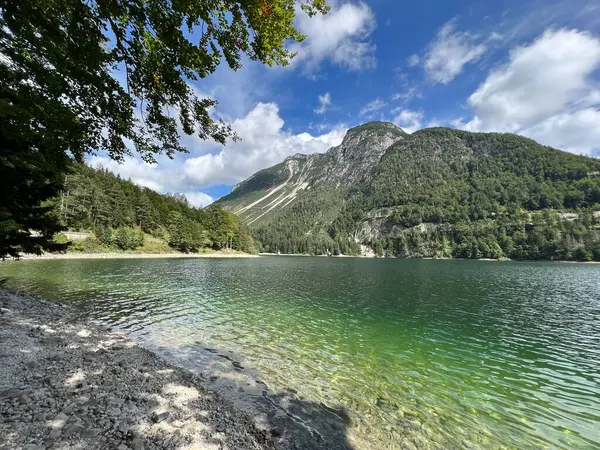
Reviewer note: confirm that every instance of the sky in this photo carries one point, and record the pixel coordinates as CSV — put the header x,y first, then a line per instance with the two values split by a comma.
x,y
530,67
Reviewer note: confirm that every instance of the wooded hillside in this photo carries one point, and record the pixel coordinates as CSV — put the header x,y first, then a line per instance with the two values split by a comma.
x,y
444,193
119,212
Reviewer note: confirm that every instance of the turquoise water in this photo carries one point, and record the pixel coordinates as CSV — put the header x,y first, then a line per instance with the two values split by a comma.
x,y
450,354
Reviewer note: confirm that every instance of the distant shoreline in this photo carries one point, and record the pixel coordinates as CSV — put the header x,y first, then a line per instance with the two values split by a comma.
x,y
429,258
217,255
115,255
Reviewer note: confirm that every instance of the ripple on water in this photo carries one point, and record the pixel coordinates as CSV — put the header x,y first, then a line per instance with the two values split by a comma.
x,y
432,353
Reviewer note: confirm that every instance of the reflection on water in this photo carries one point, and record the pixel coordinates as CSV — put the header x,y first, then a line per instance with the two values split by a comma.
x,y
435,353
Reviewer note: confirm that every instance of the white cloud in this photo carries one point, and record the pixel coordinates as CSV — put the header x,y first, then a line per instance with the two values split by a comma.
x,y
577,132
147,175
409,121
449,53
198,198
414,60
546,91
540,80
341,36
324,103
158,177
264,143
372,107
407,95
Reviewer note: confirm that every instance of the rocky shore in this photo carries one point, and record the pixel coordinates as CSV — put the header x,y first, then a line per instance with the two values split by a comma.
x,y
68,384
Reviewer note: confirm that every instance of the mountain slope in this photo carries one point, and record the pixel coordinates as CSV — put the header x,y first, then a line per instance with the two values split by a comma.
x,y
267,193
118,210
437,193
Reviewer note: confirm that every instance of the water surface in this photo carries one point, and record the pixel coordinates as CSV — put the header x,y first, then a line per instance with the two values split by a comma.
x,y
436,353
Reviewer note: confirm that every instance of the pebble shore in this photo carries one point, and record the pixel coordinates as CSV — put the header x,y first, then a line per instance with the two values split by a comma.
x,y
66,383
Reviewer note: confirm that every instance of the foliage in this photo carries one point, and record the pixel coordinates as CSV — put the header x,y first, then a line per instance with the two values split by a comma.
x,y
26,178
59,97
541,235
104,235
63,53
185,235
482,196
120,212
128,238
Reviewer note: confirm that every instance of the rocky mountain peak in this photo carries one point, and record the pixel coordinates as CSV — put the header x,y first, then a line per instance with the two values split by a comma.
x,y
366,143
375,125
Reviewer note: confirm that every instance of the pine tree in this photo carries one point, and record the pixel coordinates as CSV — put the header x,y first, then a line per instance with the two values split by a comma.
x,y
59,99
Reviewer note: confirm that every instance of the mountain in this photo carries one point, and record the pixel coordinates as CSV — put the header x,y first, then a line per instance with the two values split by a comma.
x,y
435,193
268,192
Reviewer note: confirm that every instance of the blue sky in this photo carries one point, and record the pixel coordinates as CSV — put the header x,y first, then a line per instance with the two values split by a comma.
x,y
529,67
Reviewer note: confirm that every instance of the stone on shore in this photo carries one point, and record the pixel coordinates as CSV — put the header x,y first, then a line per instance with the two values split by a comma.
x,y
67,384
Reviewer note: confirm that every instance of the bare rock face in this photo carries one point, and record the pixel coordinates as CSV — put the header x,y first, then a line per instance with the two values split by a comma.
x,y
264,195
360,151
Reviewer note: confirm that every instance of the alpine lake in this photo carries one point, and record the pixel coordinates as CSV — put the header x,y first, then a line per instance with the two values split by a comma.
x,y
418,353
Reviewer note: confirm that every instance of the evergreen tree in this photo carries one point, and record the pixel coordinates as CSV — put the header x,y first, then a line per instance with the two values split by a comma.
x,y
59,99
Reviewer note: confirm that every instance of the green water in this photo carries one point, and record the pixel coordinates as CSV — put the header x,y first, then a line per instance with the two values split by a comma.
x,y
438,354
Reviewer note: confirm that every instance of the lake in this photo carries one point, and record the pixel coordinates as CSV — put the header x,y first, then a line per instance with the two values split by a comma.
x,y
438,354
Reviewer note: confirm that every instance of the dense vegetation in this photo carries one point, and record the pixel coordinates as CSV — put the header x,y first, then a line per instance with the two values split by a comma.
x,y
450,193
60,98
123,216
287,233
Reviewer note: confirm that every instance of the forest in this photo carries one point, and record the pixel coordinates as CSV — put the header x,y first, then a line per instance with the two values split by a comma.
x,y
124,216
450,193
88,77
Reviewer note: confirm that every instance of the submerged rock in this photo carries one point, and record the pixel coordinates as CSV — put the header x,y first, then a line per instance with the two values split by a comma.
x,y
66,388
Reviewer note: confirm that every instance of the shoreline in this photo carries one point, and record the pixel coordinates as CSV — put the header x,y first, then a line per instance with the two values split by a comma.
x,y
115,255
430,258
67,382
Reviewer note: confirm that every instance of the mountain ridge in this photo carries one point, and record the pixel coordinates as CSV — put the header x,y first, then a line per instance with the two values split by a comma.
x,y
359,151
397,194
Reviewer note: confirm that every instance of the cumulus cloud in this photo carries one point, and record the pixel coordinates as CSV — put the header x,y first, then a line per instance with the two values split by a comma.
x,y
371,107
341,36
409,121
577,132
160,177
324,103
264,143
198,198
144,174
546,91
449,53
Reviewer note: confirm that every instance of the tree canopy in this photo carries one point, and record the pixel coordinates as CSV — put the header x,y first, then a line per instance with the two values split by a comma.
x,y
119,212
109,75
